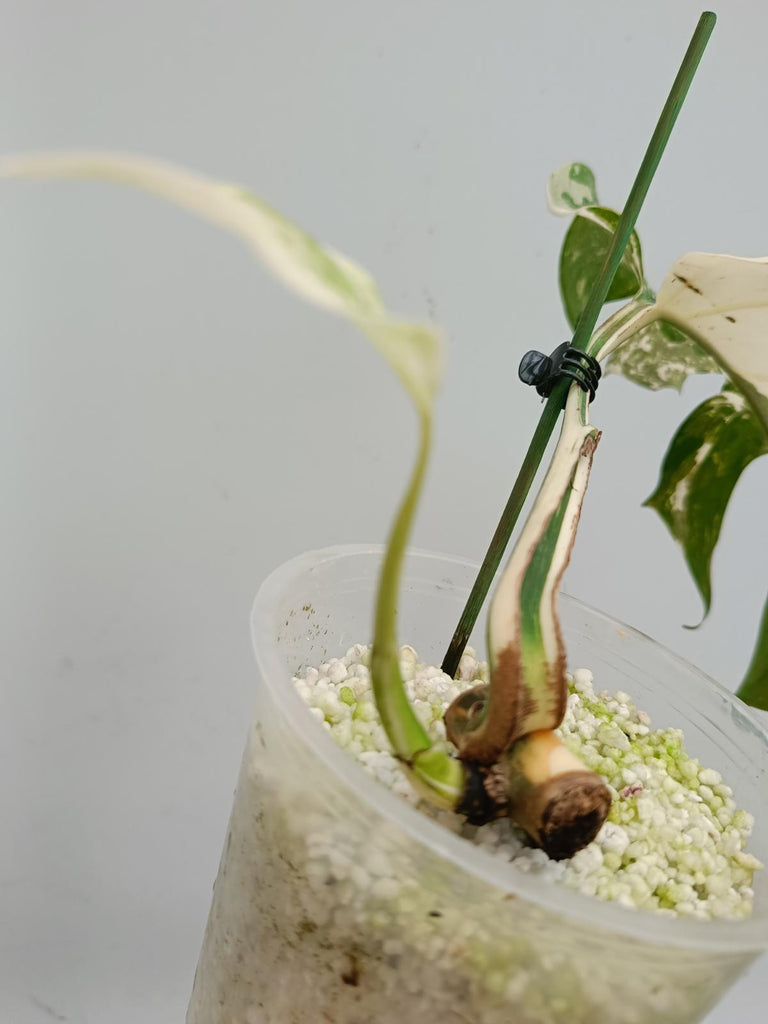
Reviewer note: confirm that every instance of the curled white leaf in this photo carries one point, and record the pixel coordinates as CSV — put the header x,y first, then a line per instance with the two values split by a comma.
x,y
327,279
317,273
722,301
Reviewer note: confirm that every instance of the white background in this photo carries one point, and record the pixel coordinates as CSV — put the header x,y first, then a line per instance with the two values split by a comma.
x,y
174,424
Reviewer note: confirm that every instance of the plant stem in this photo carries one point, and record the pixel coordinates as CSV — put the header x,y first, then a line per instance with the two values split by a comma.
x,y
404,729
549,417
581,336
439,777
754,686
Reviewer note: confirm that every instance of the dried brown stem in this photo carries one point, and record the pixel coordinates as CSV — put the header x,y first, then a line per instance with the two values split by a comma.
x,y
553,796
539,783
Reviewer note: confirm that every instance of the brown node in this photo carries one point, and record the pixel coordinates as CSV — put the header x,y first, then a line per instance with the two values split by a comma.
x,y
463,714
563,814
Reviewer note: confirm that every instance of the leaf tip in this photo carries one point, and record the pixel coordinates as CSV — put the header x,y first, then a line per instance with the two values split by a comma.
x,y
706,597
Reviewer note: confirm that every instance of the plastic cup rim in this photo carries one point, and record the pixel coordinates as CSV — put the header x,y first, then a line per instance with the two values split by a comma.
x,y
750,935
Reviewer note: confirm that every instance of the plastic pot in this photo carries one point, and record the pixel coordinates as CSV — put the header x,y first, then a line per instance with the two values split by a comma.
x,y
336,901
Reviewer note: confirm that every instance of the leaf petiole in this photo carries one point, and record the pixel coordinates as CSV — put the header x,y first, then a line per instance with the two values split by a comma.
x,y
584,328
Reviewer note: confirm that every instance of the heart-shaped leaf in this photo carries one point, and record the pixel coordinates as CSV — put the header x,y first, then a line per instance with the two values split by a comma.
x,y
584,250
571,187
703,463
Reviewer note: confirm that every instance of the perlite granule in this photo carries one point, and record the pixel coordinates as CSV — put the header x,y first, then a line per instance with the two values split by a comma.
x,y
674,841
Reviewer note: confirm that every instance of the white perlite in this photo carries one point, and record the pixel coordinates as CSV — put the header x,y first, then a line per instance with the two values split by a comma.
x,y
326,911
674,841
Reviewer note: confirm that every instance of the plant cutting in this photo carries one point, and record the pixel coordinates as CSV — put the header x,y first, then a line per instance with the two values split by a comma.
x,y
431,887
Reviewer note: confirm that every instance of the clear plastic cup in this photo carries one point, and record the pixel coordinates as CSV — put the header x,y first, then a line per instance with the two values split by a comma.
x,y
337,901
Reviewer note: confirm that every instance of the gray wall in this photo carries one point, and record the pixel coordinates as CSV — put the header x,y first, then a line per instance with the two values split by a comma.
x,y
176,425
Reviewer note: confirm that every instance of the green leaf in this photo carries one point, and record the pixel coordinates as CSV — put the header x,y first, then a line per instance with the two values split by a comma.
x,y
327,279
754,686
722,302
584,250
571,187
702,465
660,356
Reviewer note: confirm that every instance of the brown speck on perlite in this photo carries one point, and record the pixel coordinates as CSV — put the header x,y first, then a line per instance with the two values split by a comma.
x,y
352,975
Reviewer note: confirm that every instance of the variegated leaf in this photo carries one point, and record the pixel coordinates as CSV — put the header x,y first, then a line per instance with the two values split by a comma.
x,y
317,273
722,302
584,250
660,356
324,277
703,463
571,187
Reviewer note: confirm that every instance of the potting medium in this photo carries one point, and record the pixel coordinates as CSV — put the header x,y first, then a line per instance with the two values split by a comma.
x,y
674,843
341,899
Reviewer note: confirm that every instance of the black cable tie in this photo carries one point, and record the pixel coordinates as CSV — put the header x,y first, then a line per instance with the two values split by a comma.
x,y
543,372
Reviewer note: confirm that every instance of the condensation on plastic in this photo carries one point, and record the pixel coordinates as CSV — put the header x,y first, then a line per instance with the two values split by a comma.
x,y
338,902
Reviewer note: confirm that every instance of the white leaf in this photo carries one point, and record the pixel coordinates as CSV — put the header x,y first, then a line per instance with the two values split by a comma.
x,y
722,301
317,273
332,281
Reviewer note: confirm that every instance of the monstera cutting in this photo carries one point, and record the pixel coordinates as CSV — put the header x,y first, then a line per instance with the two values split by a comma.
x,y
711,314
497,767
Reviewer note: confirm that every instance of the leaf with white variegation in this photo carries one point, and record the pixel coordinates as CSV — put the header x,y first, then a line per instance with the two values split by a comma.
x,y
315,272
703,463
722,302
569,188
332,281
582,256
660,356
